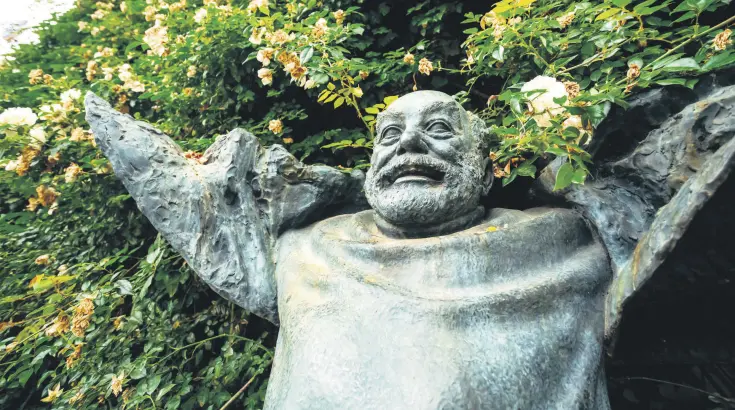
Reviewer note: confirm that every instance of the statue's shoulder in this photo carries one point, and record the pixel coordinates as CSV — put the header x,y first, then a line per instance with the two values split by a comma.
x,y
349,226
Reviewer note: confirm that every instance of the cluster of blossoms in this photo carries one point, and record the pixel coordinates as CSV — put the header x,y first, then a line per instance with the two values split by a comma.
x,y
46,197
37,77
156,37
82,314
497,23
117,383
129,82
425,65
566,19
722,40
542,91
275,126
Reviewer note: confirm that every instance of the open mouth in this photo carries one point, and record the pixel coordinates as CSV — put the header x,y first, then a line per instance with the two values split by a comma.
x,y
417,173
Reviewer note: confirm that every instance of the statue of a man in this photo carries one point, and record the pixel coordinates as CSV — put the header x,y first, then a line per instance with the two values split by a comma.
x,y
426,301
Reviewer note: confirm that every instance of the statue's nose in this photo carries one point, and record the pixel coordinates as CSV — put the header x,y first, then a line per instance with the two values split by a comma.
x,y
411,141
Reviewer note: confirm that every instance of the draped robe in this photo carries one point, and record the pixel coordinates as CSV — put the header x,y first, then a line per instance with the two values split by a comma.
x,y
508,314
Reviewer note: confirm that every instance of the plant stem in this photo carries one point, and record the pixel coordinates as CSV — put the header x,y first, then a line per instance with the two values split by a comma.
x,y
239,392
692,38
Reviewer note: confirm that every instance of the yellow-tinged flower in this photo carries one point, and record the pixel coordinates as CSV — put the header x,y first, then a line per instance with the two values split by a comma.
x,y
117,383
722,40
85,307
409,59
265,55
82,25
71,172
491,19
32,202
43,260
275,126
566,19
364,74
79,396
572,89
59,326
53,394
191,71
288,140
425,66
91,69
339,16
256,4
156,37
633,72
256,37
266,76
357,92
35,76
123,7
9,348
79,325
309,84
320,28
46,195
98,14
279,37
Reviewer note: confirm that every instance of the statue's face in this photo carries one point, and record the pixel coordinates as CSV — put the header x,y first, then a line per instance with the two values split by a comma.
x,y
427,167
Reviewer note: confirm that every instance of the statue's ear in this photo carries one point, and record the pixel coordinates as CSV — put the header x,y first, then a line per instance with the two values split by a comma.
x,y
488,177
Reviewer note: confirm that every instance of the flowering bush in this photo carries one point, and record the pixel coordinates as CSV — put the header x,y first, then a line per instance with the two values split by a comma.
x,y
97,312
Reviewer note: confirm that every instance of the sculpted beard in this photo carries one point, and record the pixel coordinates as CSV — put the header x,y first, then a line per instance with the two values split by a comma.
x,y
423,204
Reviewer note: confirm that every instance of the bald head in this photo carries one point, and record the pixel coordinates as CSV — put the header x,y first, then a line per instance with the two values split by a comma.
x,y
428,162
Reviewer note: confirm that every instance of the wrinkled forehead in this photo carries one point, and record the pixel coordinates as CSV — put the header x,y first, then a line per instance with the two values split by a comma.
x,y
419,106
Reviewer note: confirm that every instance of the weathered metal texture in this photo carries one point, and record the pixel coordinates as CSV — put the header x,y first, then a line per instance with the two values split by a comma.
x,y
428,301
223,212
641,204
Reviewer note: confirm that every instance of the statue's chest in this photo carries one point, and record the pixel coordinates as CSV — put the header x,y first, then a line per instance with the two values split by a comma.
x,y
425,321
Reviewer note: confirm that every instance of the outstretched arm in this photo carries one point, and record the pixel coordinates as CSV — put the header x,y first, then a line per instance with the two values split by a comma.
x,y
223,212
642,202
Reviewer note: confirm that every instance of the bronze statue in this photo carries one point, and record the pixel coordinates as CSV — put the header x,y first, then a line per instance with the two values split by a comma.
x,y
428,300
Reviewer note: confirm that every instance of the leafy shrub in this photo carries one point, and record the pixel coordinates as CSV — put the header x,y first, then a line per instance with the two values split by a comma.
x,y
97,312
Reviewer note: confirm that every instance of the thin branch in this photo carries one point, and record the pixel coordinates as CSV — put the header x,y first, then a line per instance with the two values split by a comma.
x,y
726,399
239,392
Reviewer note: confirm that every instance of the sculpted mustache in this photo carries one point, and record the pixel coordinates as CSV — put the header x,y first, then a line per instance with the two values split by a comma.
x,y
396,164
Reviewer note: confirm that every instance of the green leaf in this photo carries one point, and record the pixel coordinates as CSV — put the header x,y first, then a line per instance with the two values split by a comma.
x,y
671,81
306,55
682,64
564,176
498,53
621,3
579,176
339,102
719,61
608,13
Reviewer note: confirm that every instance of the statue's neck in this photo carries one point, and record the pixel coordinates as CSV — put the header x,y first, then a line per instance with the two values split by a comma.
x,y
459,223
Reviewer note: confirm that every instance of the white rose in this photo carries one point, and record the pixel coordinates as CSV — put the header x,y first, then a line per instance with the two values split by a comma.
x,y
545,89
38,135
200,15
70,95
18,116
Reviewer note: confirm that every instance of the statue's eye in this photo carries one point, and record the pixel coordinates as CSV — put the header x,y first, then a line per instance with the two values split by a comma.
x,y
439,127
389,135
